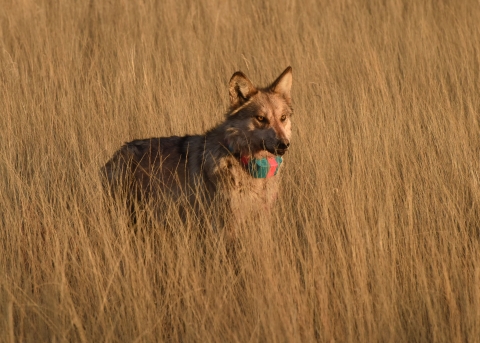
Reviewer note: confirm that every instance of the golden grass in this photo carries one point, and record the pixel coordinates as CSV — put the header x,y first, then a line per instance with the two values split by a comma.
x,y
376,235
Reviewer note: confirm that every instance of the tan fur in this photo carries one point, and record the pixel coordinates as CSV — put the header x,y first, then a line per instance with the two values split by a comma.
x,y
202,167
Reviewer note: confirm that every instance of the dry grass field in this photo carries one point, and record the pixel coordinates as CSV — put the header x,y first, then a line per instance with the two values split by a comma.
x,y
376,236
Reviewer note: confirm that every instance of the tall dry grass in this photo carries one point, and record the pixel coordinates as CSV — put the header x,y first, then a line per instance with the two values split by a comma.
x,y
376,234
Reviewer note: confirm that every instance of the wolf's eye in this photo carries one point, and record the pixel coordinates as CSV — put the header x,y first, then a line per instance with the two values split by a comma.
x,y
283,118
260,118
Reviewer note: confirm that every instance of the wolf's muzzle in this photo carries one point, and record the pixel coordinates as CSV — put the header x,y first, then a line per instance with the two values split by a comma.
x,y
282,148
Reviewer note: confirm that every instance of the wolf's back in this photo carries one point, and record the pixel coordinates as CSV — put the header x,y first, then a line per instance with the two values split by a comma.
x,y
144,164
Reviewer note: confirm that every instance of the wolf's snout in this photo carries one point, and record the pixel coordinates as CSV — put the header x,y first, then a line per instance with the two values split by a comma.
x,y
282,147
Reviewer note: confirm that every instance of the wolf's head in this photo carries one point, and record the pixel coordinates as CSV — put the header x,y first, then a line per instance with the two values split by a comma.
x,y
258,123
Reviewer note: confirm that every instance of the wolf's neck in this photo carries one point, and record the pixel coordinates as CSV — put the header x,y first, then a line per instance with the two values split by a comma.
x,y
218,136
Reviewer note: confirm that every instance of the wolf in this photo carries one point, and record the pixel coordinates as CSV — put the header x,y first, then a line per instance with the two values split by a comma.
x,y
229,172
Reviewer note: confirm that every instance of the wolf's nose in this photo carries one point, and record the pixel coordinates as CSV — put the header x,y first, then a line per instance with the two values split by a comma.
x,y
283,146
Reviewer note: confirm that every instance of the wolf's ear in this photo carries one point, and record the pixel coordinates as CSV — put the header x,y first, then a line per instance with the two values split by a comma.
x,y
283,84
241,89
